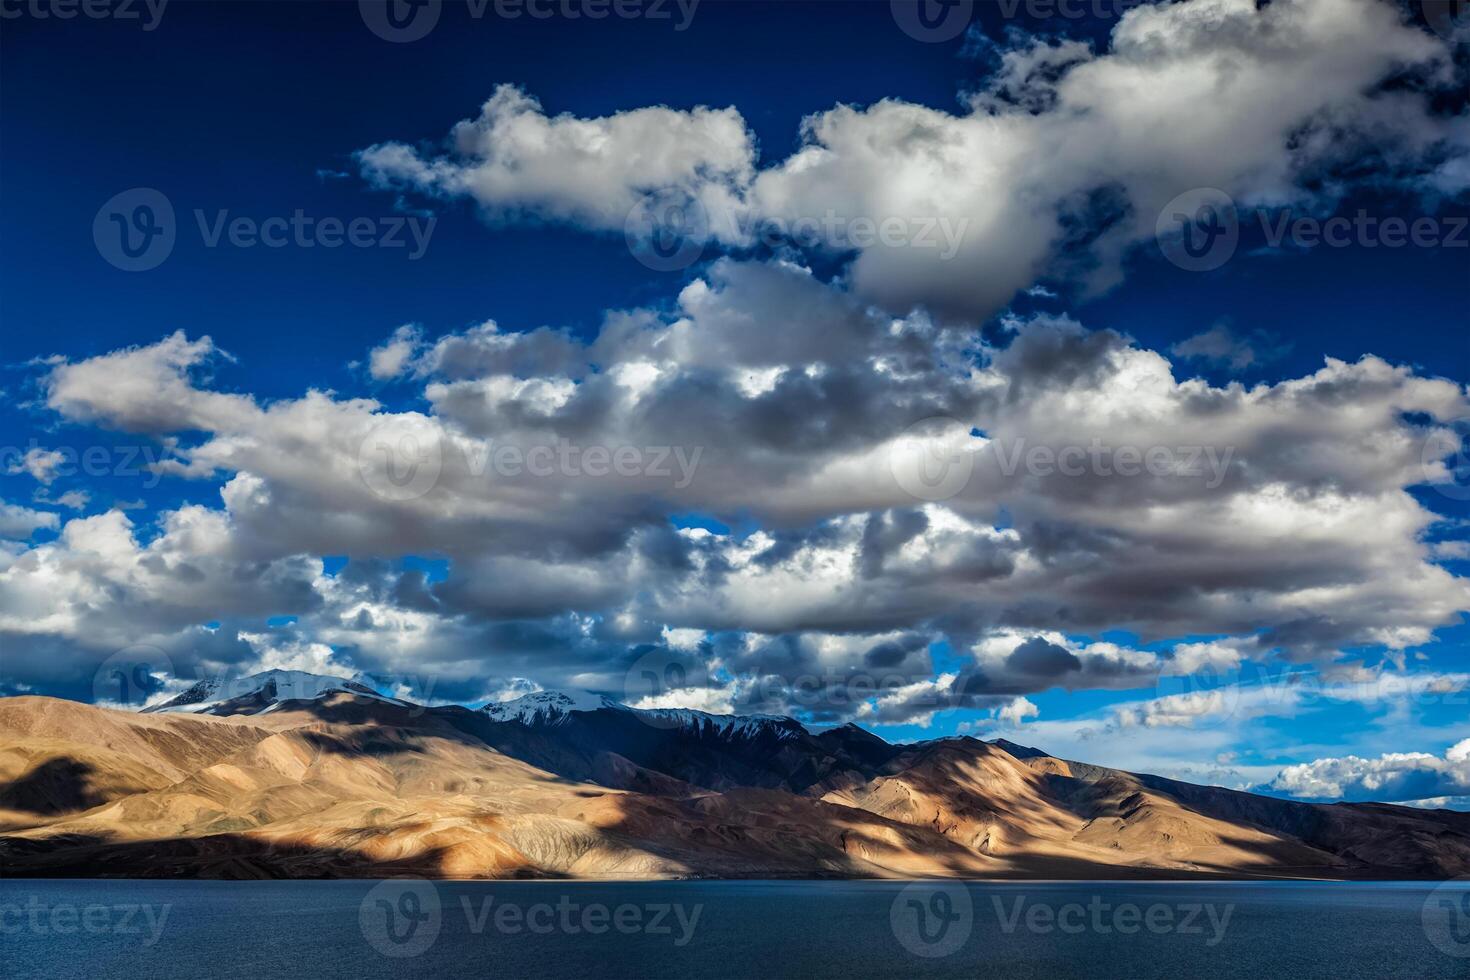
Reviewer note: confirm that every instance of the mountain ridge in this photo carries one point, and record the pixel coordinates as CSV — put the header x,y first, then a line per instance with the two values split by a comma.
x,y
344,784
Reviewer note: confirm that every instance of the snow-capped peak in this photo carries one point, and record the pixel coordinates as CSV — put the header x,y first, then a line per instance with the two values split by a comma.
x,y
268,687
547,707
725,726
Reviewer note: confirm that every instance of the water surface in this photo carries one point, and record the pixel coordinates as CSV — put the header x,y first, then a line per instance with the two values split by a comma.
x,y
767,929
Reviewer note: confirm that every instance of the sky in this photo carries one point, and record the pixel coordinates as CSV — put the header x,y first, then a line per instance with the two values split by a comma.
x,y
1091,375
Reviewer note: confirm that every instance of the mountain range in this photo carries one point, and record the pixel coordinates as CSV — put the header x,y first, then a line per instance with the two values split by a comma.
x,y
290,774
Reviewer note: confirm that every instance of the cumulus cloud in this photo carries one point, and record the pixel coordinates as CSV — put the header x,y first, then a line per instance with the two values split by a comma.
x,y
142,389
515,160
1304,540
19,523
1393,777
1017,711
1060,165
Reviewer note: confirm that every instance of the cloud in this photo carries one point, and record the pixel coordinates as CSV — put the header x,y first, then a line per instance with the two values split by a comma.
x,y
1085,483
1060,165
1220,345
40,463
1279,520
1017,711
143,389
19,523
1390,778
72,499
393,357
516,161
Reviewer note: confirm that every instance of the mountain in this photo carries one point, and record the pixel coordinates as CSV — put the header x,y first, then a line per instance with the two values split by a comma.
x,y
341,782
260,692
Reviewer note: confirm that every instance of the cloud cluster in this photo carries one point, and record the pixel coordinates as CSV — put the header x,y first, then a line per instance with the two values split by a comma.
x,y
890,475
1394,777
1061,163
801,404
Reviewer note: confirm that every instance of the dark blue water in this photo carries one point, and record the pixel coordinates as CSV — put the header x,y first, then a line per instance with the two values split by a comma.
x,y
277,929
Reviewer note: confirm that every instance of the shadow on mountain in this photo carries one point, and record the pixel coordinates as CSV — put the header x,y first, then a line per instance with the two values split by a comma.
x,y
230,856
60,785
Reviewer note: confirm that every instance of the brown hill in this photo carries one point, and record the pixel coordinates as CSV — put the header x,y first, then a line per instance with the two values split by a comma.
x,y
345,786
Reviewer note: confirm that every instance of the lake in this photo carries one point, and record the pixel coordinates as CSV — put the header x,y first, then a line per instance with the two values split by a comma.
x,y
265,930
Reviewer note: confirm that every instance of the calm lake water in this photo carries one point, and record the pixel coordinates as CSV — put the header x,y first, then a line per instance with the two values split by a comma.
x,y
765,929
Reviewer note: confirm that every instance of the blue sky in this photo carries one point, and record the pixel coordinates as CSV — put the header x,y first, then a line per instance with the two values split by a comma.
x,y
242,552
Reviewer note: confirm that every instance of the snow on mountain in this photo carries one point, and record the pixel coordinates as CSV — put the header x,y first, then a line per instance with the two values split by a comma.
x,y
268,688
555,707
725,726
548,707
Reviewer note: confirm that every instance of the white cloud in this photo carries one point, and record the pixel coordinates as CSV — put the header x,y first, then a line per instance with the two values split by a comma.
x,y
1018,711
1258,100
514,159
1392,777
19,523
393,358
40,463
